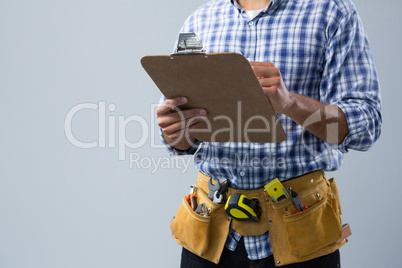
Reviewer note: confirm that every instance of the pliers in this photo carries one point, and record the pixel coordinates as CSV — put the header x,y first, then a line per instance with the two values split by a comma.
x,y
294,196
192,201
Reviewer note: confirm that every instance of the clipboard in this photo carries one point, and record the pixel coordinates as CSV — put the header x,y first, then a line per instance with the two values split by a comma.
x,y
225,85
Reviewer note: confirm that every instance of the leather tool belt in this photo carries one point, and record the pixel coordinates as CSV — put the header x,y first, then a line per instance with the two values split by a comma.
x,y
309,234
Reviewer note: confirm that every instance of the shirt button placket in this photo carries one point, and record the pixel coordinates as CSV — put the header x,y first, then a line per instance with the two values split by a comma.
x,y
253,39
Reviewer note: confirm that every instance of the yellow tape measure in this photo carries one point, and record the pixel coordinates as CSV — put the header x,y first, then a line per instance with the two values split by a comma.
x,y
242,208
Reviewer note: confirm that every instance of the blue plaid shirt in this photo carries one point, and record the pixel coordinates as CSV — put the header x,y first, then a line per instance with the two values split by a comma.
x,y
322,51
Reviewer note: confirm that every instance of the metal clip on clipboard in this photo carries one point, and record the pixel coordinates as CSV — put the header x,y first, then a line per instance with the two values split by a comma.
x,y
189,43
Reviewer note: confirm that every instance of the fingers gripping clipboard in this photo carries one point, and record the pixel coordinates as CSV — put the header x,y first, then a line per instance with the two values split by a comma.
x,y
225,85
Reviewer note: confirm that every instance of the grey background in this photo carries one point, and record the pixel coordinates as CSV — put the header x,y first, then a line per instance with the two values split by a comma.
x,y
62,206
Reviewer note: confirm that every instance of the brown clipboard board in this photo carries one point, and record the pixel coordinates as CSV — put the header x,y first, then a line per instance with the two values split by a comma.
x,y
225,85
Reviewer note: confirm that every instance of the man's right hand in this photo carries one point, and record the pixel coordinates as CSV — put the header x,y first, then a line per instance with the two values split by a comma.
x,y
176,123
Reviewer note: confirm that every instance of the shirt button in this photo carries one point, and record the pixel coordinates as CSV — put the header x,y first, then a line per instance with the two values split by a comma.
x,y
242,173
251,23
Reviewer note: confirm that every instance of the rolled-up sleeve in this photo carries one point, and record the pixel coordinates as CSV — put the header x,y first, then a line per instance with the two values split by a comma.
x,y
350,81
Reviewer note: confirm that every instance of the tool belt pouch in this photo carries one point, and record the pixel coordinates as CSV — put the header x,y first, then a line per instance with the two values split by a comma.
x,y
205,236
298,237
191,229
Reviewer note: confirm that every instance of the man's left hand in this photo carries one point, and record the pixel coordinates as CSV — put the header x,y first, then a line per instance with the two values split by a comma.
x,y
300,108
271,81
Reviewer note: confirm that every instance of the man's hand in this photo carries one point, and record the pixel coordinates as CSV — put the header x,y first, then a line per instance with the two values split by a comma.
x,y
176,123
271,81
327,122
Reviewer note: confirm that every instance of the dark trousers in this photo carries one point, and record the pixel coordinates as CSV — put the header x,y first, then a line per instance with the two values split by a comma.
x,y
238,259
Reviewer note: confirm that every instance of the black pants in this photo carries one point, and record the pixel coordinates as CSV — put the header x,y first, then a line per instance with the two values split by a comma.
x,y
238,259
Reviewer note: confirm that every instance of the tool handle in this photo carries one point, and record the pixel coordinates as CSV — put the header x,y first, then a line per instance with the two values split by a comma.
x,y
193,202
